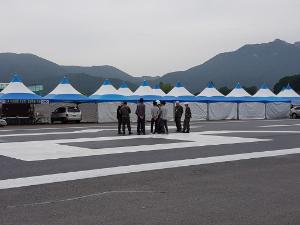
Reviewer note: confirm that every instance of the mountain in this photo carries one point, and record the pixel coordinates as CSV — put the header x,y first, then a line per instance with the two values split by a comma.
x,y
36,70
105,71
251,65
31,67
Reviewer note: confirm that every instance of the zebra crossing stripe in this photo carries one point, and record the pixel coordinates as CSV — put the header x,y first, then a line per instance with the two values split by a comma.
x,y
78,175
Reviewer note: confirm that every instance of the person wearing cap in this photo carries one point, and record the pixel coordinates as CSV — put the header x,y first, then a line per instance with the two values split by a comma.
x,y
178,114
187,118
154,117
140,112
125,112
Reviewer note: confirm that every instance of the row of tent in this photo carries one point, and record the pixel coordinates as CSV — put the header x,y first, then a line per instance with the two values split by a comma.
x,y
65,92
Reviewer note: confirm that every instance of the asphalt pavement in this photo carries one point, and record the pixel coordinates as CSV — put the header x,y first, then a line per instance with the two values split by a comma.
x,y
223,172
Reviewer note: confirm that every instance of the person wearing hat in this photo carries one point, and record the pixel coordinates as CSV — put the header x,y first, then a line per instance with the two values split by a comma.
x,y
140,112
187,118
178,114
125,112
154,117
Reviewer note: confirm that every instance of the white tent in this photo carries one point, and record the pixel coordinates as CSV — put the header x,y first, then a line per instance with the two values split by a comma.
x,y
16,90
107,111
247,110
238,91
264,91
288,92
210,91
157,91
64,91
66,95
124,90
199,110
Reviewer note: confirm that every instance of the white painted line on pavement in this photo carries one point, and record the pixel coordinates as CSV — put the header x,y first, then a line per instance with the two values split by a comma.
x,y
53,149
280,125
71,176
51,133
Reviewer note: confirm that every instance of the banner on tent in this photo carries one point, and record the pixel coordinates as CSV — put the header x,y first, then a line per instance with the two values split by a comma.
x,y
20,101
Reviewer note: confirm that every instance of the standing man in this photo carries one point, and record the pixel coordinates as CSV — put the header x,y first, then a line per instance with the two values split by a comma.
x,y
119,117
154,117
164,113
187,118
125,112
140,112
178,115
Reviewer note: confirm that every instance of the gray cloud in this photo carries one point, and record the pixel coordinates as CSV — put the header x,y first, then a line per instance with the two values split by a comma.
x,y
142,37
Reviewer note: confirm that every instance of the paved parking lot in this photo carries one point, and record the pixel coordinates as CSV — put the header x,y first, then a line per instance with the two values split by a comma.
x,y
225,172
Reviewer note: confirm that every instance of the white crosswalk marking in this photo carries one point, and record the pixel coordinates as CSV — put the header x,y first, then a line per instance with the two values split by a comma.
x,y
60,177
53,149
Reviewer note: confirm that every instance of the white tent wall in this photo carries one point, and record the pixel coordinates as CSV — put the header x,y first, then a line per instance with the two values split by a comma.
x,y
222,111
251,110
107,112
277,110
88,110
199,111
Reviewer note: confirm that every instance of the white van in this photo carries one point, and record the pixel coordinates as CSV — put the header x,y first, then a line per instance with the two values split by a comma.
x,y
65,114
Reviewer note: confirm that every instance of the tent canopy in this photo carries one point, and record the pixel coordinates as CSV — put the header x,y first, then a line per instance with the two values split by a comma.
x,y
124,90
264,91
157,91
210,91
17,91
287,92
107,93
238,91
65,92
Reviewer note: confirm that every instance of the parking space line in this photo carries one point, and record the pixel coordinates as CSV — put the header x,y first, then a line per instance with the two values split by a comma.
x,y
71,176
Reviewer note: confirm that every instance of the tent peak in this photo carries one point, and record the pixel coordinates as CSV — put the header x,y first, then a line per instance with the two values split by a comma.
x,y
145,83
210,85
16,79
123,85
106,82
264,86
65,80
238,85
178,84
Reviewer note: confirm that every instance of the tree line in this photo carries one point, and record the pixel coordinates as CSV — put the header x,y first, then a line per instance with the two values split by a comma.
x,y
293,81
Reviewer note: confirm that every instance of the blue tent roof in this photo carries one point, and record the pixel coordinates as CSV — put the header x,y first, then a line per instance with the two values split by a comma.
x,y
16,91
106,82
145,83
123,85
65,92
210,85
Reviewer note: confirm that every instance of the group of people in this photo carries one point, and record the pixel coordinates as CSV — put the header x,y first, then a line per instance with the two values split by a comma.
x,y
159,121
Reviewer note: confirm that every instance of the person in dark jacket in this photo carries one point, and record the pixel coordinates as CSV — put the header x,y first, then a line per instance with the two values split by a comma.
x,y
140,112
178,114
187,118
119,117
125,112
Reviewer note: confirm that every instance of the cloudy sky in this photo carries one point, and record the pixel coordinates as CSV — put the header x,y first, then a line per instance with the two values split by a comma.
x,y
142,37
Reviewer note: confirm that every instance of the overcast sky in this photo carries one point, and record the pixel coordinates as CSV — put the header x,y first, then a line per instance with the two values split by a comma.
x,y
142,37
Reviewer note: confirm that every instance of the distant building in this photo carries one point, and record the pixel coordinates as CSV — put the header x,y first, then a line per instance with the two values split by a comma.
x,y
3,85
38,89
